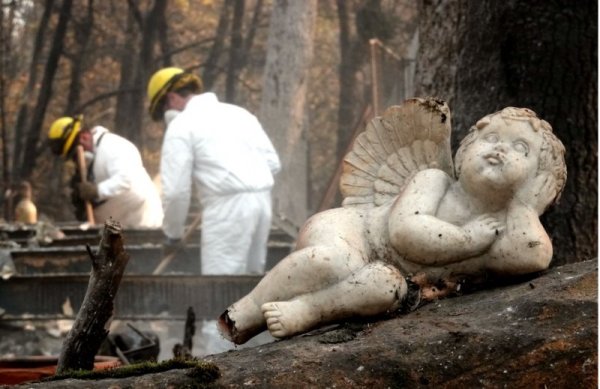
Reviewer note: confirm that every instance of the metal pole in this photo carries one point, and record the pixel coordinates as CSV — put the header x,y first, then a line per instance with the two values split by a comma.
x,y
375,76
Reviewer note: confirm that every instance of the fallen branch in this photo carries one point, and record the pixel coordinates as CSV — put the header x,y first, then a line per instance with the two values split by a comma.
x,y
88,331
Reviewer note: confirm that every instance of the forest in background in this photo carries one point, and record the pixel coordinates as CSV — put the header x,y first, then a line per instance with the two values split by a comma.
x,y
94,57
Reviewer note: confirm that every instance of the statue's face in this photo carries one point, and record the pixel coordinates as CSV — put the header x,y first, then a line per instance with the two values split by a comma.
x,y
504,155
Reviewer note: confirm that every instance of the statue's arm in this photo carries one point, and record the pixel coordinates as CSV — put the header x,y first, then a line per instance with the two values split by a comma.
x,y
417,234
524,247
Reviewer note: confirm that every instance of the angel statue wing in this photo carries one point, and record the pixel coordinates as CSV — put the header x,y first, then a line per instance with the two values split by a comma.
x,y
406,139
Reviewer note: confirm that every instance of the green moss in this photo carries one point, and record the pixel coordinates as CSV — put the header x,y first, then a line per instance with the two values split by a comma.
x,y
201,371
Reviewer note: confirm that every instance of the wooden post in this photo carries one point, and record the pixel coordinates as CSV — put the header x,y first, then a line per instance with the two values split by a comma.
x,y
83,173
375,76
184,351
88,332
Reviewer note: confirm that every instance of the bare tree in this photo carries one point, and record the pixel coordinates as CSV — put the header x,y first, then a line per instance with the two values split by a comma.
x,y
82,31
211,69
240,47
26,97
137,68
251,32
32,136
128,59
289,56
485,55
370,22
235,50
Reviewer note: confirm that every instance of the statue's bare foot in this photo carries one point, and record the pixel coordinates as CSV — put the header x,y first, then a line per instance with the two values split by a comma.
x,y
287,318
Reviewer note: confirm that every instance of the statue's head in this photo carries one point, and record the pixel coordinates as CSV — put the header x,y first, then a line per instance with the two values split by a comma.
x,y
551,150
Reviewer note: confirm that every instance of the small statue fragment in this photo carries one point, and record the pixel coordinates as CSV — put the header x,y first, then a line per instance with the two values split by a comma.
x,y
405,214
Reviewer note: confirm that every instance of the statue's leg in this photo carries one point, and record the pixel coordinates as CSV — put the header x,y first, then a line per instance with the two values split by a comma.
x,y
372,290
306,270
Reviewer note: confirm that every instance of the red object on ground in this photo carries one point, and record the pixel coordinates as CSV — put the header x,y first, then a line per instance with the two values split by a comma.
x,y
33,368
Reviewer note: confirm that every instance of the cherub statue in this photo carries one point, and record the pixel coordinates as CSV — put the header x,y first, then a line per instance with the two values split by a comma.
x,y
406,216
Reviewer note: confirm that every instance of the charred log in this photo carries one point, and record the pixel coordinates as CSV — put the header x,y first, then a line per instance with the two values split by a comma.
x,y
89,329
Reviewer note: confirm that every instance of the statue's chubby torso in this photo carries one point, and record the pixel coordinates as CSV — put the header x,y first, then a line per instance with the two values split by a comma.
x,y
376,232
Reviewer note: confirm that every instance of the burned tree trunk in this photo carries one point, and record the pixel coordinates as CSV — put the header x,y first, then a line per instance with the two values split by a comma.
x,y
27,93
283,105
88,331
540,332
482,56
32,136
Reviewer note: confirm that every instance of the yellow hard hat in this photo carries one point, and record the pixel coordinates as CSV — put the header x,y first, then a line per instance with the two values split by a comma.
x,y
62,134
166,80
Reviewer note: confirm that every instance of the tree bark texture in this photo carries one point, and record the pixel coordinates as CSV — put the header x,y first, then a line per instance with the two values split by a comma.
x,y
482,56
283,116
540,332
88,331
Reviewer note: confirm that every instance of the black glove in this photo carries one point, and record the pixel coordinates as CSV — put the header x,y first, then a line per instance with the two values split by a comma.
x,y
87,191
78,204
171,246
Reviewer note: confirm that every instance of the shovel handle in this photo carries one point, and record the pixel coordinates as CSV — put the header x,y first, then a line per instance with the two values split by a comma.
x,y
186,236
83,173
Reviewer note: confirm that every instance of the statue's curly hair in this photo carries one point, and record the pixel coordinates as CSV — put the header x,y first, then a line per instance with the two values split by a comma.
x,y
552,154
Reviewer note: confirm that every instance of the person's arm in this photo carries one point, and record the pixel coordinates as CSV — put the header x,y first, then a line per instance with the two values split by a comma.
x,y
266,149
524,247
176,165
122,161
420,237
117,183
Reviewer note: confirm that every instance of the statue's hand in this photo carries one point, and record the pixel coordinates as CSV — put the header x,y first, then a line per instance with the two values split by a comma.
x,y
539,192
482,231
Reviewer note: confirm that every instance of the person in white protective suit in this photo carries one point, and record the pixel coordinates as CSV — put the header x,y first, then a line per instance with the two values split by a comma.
x,y
224,150
117,185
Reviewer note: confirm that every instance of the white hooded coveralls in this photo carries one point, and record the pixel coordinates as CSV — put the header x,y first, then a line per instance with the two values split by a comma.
x,y
126,192
226,152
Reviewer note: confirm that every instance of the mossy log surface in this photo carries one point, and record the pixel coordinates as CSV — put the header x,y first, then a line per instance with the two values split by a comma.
x,y
538,332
